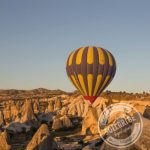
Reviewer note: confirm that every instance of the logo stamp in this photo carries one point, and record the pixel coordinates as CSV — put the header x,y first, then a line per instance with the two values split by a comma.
x,y
121,124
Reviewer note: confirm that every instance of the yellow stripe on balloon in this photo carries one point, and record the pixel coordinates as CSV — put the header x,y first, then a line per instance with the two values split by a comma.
x,y
110,58
101,56
105,82
90,57
72,78
80,77
71,58
79,56
90,81
98,82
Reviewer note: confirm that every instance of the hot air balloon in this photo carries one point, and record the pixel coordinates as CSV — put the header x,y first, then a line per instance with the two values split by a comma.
x,y
91,69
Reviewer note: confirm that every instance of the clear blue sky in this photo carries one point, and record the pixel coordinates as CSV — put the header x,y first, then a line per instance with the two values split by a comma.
x,y
36,37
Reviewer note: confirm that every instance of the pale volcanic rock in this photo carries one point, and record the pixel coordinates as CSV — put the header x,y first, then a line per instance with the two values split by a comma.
x,y
4,141
64,111
25,120
42,140
57,124
58,104
72,110
36,106
27,113
90,122
78,99
64,96
100,101
86,107
7,112
66,122
78,107
61,122
100,104
2,120
50,107
14,111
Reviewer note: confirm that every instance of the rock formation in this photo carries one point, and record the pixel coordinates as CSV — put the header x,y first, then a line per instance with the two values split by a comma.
x,y
2,120
36,106
50,107
57,124
64,111
14,110
61,122
7,113
90,122
66,122
42,140
4,141
27,113
77,107
58,104
26,119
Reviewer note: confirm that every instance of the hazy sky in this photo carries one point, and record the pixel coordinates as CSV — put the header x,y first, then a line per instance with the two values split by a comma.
x,y
37,36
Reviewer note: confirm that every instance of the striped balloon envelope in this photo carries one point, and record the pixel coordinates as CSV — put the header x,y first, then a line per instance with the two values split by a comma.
x,y
91,69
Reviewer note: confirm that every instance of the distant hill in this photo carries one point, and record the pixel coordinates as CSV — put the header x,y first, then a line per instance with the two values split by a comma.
x,y
13,94
23,94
